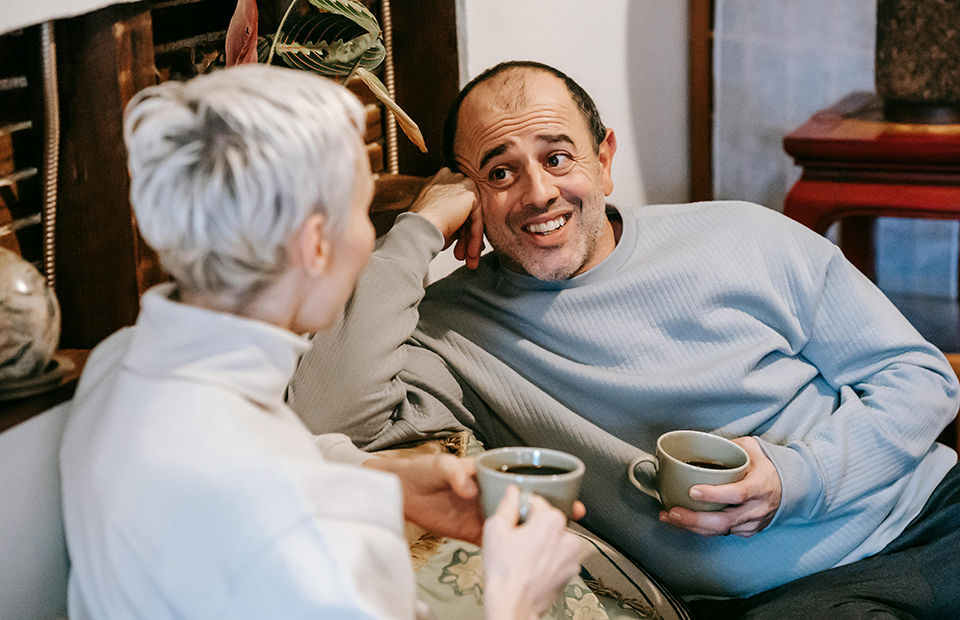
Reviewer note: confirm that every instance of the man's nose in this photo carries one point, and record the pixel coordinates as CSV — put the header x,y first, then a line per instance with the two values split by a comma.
x,y
540,187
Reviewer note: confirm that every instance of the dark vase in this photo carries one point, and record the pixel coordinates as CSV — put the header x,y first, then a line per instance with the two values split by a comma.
x,y
918,60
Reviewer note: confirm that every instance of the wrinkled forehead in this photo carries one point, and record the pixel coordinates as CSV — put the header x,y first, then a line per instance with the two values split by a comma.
x,y
510,105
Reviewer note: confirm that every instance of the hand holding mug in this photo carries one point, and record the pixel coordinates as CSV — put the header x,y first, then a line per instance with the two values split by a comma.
x,y
752,501
526,565
550,474
685,459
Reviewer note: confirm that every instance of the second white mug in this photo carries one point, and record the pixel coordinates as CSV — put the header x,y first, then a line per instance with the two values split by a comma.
x,y
686,458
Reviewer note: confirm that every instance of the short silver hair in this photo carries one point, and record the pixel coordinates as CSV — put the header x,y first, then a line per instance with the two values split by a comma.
x,y
225,167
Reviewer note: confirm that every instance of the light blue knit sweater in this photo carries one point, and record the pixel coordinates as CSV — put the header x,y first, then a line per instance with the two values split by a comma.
x,y
725,317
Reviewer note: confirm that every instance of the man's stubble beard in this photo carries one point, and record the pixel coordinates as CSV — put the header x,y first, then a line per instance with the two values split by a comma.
x,y
512,257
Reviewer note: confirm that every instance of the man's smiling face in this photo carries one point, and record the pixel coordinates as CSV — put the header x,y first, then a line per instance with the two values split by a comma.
x,y
542,183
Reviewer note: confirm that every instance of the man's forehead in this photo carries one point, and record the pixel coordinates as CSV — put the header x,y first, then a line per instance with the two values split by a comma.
x,y
509,102
513,90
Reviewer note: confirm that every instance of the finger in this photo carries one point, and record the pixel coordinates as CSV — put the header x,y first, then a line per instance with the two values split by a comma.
x,y
542,512
746,530
508,511
754,517
579,511
474,236
444,175
703,523
751,527
468,170
733,493
461,476
434,180
568,553
743,521
460,248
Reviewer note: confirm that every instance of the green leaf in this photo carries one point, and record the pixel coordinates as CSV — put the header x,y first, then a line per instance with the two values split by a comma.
x,y
263,47
406,123
351,9
328,44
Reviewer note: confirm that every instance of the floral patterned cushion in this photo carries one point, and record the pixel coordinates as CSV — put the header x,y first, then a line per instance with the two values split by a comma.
x,y
450,572
609,587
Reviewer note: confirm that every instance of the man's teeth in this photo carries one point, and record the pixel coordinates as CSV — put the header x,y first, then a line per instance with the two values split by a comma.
x,y
546,227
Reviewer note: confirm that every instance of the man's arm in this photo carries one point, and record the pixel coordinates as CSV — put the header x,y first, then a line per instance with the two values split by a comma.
x,y
897,393
363,377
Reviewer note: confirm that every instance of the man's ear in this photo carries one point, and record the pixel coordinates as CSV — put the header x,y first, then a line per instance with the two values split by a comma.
x,y
607,148
311,246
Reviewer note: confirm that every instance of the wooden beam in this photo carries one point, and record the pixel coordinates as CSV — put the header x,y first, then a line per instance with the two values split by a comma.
x,y
427,74
701,99
103,58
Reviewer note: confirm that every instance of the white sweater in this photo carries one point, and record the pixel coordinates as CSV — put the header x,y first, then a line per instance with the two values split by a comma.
x,y
724,317
190,490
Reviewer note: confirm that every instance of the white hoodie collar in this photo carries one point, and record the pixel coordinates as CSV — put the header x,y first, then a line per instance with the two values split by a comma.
x,y
244,356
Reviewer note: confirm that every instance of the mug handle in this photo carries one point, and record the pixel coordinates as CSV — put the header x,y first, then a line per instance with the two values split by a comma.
x,y
526,498
631,472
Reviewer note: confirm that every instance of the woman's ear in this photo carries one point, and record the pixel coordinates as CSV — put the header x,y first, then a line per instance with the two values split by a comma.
x,y
311,246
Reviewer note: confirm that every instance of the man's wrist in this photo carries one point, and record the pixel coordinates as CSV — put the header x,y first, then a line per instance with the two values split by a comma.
x,y
413,241
438,222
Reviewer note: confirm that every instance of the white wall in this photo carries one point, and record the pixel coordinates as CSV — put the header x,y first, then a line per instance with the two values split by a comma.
x,y
775,64
630,55
17,13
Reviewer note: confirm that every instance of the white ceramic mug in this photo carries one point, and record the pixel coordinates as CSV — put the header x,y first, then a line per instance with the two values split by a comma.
x,y
685,459
551,474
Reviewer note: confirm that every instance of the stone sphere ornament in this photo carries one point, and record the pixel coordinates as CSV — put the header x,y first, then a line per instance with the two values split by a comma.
x,y
918,60
29,320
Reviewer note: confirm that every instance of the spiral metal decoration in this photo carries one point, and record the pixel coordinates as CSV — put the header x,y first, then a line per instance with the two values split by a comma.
x,y
51,147
393,164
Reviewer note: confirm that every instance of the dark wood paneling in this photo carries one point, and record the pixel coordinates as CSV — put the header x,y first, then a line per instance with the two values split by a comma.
x,y
103,59
701,99
427,73
21,100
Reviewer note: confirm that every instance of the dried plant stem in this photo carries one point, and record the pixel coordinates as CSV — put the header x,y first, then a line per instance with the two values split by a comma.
x,y
276,37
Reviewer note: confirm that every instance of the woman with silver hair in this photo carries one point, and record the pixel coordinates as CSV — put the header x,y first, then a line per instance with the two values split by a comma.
x,y
190,489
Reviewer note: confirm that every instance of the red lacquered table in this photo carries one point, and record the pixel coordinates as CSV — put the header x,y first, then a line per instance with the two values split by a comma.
x,y
857,167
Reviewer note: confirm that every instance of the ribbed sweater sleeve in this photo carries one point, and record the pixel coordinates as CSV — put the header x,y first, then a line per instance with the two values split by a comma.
x,y
896,394
362,377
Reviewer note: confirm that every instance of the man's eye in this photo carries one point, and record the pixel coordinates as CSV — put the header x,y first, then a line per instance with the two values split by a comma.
x,y
555,160
498,175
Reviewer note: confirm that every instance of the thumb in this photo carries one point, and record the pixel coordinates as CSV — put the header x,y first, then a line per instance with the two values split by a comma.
x,y
460,475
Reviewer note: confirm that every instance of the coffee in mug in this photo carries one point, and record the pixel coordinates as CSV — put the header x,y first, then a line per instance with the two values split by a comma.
x,y
534,470
708,464
685,459
551,474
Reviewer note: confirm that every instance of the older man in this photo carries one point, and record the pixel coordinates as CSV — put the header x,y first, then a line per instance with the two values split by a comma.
x,y
594,329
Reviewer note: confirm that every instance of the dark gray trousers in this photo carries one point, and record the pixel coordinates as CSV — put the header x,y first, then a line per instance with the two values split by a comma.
x,y
917,576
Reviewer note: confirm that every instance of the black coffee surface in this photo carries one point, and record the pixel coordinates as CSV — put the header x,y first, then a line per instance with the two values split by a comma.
x,y
708,464
533,470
